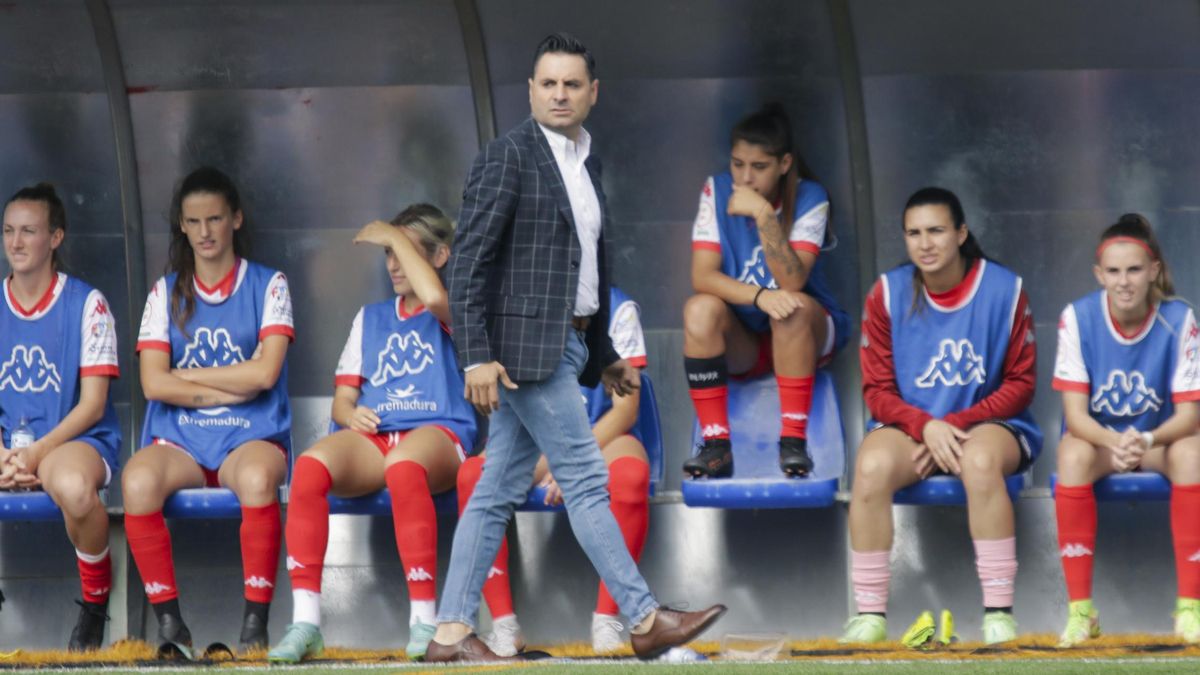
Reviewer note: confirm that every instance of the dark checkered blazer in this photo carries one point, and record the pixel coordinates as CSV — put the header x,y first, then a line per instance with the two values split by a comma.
x,y
514,267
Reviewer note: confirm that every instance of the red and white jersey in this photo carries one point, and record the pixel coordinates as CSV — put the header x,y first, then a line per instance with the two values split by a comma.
x,y
276,303
808,227
98,331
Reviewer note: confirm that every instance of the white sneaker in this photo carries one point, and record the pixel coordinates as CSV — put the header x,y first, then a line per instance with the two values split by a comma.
x,y
606,634
506,638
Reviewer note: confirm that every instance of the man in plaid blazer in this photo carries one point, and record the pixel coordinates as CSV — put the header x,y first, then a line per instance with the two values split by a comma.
x,y
529,311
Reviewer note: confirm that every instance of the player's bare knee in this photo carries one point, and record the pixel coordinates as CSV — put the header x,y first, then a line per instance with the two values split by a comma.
x,y
141,489
873,473
256,484
1075,461
1183,463
703,315
796,325
73,493
981,470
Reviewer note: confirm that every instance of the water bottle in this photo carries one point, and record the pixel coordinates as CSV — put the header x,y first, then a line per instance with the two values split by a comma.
x,y
22,436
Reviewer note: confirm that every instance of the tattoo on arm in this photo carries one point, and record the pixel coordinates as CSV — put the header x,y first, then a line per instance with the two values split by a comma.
x,y
777,250
202,401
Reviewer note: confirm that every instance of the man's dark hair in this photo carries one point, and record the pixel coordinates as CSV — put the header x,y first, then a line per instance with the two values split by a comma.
x,y
565,43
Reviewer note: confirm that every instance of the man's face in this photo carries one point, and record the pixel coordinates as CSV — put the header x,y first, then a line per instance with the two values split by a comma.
x,y
560,92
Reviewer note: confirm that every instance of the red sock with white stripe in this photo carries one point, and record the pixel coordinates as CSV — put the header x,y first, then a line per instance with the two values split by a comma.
x,y
260,532
1075,506
1185,530
629,500
95,575
795,402
415,523
496,590
150,544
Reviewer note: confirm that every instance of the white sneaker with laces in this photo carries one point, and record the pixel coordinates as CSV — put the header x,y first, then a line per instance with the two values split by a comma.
x,y
506,638
606,634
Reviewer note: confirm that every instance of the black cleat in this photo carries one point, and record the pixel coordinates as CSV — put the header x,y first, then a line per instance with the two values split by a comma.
x,y
794,458
254,633
89,627
175,637
715,460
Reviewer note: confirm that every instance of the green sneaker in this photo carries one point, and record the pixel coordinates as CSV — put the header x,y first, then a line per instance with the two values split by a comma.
x,y
419,637
301,641
919,633
1187,620
1083,623
999,627
864,628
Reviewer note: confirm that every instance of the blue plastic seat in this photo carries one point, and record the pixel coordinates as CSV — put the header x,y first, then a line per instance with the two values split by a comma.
x,y
380,504
26,506
1139,486
203,503
948,491
757,481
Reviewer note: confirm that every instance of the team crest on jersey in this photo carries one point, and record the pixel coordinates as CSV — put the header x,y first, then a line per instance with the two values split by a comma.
x,y
1126,394
210,348
28,370
755,270
405,354
956,364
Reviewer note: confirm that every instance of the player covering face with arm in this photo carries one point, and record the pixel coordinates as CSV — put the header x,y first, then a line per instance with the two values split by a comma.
x,y
948,362
213,342
761,302
404,424
1129,373
58,345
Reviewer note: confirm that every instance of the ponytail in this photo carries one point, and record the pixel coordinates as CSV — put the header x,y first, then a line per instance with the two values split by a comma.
x,y
970,250
770,129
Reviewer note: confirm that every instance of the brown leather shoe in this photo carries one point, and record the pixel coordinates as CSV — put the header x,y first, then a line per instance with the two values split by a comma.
x,y
672,628
467,650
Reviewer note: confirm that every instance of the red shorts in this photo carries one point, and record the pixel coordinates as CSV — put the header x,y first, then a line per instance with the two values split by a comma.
x,y
210,475
386,440
764,363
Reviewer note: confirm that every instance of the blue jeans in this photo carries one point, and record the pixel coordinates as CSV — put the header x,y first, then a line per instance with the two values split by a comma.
x,y
542,417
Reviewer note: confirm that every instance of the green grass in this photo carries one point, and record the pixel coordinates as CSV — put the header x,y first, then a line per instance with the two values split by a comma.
x,y
1007,666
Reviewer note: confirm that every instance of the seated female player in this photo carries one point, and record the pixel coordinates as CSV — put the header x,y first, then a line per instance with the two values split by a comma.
x,y
1129,372
405,424
213,343
761,302
58,344
948,363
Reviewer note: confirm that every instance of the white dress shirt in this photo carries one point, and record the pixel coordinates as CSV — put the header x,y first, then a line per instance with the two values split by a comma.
x,y
585,207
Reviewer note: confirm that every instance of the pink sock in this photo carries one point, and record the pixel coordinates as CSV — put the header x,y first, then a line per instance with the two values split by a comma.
x,y
996,561
870,573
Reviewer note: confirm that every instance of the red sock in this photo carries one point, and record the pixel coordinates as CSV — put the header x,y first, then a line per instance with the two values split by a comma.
x,y
308,524
1185,530
712,409
95,575
150,543
1076,509
415,522
795,401
629,492
260,550
496,589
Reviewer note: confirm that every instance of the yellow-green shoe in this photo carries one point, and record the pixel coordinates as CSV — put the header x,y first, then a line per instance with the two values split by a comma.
x,y
864,629
1187,620
999,627
945,634
920,633
1083,623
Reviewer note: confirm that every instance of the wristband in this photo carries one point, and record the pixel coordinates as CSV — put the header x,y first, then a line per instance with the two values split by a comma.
x,y
1148,438
760,292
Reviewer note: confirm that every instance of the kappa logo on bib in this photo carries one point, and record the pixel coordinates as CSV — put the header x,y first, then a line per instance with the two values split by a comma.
x,y
955,365
28,370
1126,395
210,348
755,271
405,354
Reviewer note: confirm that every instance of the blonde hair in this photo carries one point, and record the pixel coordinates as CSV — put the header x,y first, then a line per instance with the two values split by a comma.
x,y
433,227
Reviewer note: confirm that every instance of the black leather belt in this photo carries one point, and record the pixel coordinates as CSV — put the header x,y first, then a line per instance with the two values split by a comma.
x,y
580,323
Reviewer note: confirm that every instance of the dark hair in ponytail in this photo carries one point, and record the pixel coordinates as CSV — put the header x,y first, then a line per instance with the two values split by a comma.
x,y
770,129
1136,226
969,250
45,193
180,257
